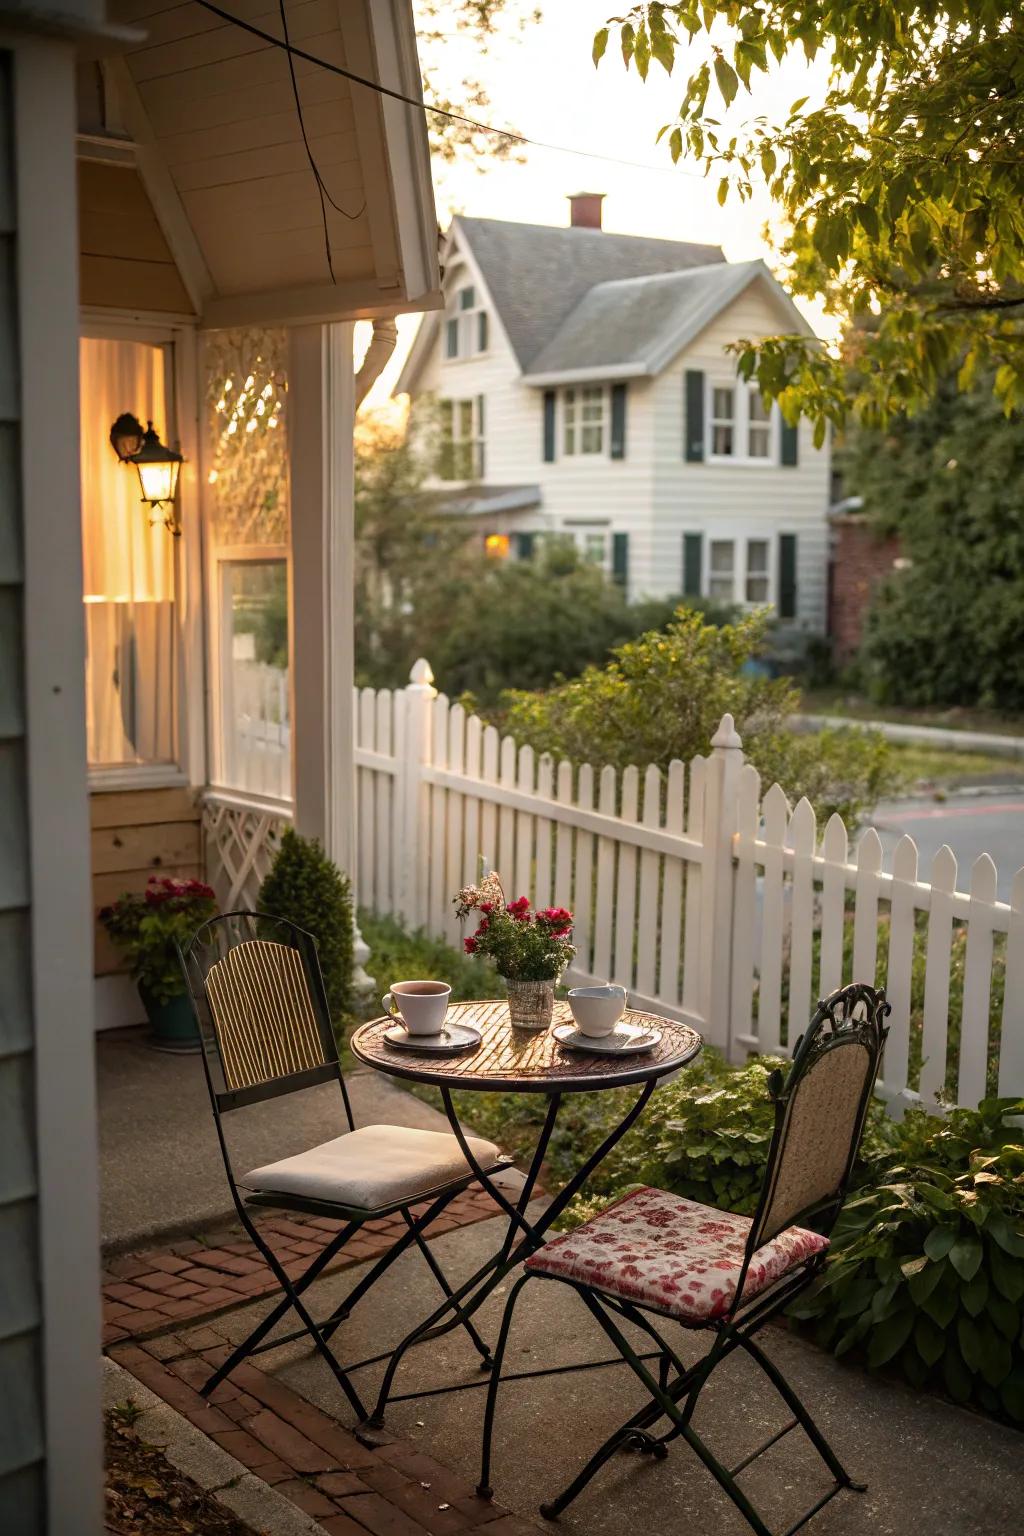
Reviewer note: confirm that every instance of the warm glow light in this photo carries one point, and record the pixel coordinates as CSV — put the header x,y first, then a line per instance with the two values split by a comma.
x,y
498,545
159,480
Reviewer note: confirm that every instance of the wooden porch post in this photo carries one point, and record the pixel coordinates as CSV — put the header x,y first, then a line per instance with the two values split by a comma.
x,y
321,410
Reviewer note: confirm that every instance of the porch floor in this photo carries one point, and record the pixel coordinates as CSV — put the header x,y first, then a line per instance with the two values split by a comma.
x,y
161,1172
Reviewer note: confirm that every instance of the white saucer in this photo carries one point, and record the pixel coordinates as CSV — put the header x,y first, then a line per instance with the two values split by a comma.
x,y
453,1037
624,1040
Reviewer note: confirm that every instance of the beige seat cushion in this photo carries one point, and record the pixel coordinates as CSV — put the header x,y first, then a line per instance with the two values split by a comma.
x,y
374,1166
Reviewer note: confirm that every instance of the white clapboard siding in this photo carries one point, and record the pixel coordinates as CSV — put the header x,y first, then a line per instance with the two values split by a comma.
x,y
649,863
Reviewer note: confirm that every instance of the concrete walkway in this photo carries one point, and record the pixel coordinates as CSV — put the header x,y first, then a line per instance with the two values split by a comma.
x,y
161,1172
930,1466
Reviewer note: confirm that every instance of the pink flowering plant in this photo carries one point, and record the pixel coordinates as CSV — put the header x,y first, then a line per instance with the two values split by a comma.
x,y
523,944
145,925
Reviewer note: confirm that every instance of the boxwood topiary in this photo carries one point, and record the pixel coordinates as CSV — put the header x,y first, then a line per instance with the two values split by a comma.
x,y
308,888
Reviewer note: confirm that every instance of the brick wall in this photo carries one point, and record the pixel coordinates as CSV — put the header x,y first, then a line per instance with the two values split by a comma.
x,y
858,562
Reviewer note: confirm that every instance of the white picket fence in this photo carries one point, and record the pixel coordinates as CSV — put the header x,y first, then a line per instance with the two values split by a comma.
x,y
709,903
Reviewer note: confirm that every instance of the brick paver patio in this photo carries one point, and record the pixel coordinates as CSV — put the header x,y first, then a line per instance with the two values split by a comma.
x,y
387,1488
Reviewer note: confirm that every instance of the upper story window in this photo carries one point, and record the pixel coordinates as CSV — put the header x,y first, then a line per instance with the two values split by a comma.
x,y
462,439
583,425
465,332
741,426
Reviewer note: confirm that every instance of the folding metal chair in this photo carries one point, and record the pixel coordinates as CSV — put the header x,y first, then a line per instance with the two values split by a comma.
x,y
656,1255
258,997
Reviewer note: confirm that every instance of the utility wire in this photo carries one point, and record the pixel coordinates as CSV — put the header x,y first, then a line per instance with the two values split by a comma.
x,y
425,106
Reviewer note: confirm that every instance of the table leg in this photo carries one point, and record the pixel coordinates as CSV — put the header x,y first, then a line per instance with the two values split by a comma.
x,y
474,1292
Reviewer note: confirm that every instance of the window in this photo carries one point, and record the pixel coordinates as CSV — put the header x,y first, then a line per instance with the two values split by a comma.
x,y
249,535
462,439
583,420
759,425
131,669
757,572
592,543
466,328
740,424
721,576
723,413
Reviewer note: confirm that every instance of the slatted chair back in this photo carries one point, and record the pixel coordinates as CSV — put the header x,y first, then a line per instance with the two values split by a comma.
x,y
820,1111
259,1001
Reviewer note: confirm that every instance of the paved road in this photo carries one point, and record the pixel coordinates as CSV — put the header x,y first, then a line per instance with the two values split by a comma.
x,y
970,824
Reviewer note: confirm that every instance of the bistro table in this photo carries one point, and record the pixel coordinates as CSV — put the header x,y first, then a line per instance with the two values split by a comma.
x,y
510,1060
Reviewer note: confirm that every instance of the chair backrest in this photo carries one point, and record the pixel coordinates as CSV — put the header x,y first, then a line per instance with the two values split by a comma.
x,y
820,1109
259,1001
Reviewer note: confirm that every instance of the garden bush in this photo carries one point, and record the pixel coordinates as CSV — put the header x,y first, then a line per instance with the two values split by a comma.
x,y
397,955
308,888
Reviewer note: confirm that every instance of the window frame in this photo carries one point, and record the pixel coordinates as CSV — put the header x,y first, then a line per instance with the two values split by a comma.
x,y
222,556
469,321
179,339
740,539
476,439
572,408
583,531
741,423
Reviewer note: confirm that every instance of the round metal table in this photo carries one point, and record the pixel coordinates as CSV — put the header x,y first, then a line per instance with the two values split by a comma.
x,y
509,1060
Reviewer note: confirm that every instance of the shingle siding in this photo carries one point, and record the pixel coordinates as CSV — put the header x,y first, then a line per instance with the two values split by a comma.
x,y
21,1431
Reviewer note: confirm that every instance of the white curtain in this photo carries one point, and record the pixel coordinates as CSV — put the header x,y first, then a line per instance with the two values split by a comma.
x,y
128,564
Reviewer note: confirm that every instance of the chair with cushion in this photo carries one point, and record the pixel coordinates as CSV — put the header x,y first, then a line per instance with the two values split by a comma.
x,y
655,1255
259,1002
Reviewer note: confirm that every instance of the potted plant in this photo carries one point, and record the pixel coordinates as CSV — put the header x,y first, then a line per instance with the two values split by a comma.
x,y
529,949
145,926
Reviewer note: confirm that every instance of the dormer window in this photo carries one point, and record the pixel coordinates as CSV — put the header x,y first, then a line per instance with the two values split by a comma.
x,y
465,332
741,426
583,420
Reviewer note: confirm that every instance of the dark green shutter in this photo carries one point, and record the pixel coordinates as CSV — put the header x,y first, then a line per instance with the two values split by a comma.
x,y
479,467
523,545
790,451
693,559
620,559
549,426
787,575
451,332
481,331
618,440
693,446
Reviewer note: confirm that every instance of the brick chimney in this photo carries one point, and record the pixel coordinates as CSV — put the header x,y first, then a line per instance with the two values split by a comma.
x,y
585,209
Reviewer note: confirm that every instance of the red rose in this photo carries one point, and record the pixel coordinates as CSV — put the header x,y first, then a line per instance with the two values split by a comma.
x,y
519,909
469,945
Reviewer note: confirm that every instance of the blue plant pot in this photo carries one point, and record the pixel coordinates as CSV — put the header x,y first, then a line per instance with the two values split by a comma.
x,y
173,1023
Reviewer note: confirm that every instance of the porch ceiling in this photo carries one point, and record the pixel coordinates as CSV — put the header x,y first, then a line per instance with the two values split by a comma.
x,y
219,143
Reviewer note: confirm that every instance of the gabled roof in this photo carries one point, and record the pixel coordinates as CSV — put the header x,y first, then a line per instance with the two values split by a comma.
x,y
537,274
632,328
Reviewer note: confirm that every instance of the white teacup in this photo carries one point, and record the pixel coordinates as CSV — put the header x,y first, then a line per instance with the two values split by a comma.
x,y
420,1005
597,1010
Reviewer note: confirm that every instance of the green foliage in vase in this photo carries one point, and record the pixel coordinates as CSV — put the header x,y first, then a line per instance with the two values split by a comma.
x,y
308,888
147,926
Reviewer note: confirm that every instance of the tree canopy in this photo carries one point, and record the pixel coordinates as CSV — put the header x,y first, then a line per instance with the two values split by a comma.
x,y
903,191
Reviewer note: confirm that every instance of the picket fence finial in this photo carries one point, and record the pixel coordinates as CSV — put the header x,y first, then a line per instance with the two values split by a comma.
x,y
422,673
727,735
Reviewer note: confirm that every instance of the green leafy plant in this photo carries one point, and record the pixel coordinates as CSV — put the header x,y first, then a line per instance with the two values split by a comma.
x,y
662,696
523,945
147,926
926,1272
398,954
308,888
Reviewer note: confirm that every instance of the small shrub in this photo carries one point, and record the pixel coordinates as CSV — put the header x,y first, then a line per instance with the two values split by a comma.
x,y
308,888
397,955
926,1272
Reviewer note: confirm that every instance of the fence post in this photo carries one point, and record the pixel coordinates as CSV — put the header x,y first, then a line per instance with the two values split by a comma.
x,y
412,753
720,808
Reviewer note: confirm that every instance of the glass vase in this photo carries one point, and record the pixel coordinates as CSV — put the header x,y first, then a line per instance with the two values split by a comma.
x,y
530,1003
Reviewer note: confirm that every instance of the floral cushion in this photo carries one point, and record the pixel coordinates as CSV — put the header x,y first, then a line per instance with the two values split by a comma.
x,y
674,1254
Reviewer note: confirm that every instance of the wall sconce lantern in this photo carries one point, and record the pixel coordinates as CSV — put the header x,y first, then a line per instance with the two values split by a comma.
x,y
157,465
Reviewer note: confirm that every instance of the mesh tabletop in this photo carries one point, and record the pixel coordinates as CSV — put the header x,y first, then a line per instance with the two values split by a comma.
x,y
527,1061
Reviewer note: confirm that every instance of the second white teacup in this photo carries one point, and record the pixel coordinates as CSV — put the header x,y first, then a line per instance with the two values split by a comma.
x,y
420,1005
597,1010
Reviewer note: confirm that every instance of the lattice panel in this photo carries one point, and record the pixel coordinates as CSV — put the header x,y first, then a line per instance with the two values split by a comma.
x,y
239,846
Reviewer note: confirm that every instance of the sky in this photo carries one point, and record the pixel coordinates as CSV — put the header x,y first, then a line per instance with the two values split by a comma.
x,y
542,83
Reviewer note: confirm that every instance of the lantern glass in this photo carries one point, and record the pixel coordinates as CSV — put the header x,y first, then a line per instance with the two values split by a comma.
x,y
159,479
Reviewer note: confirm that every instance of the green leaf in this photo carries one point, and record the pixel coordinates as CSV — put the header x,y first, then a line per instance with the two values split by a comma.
x,y
723,191
957,1377
867,218
996,1357
923,1283
930,1339
600,44
728,82
1011,1394
1007,1274
970,1340
965,1256
889,1337
974,1294
1009,1240
1004,1314
941,1306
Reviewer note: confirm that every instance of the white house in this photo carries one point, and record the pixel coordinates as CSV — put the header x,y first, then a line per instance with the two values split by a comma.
x,y
165,252
585,389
